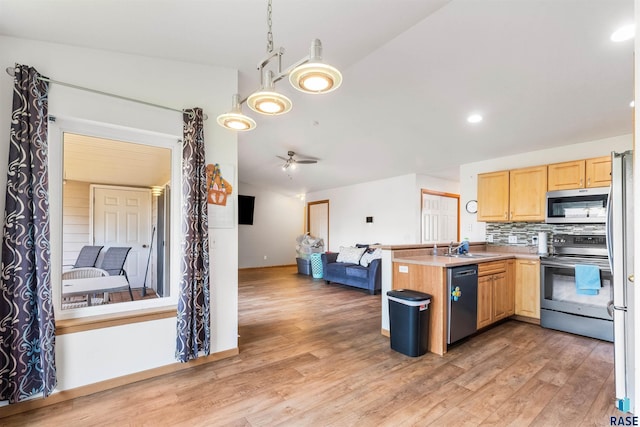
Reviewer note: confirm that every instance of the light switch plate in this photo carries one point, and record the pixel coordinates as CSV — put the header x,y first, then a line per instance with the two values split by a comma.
x,y
403,268
490,238
513,239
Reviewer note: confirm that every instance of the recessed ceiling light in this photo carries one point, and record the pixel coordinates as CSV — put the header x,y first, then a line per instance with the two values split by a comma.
x,y
474,118
624,33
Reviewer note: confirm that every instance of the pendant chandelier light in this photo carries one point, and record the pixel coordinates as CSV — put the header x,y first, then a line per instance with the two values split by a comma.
x,y
309,75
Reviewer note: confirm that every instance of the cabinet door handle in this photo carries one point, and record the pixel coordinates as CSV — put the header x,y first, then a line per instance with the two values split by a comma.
x,y
511,216
588,182
505,215
580,182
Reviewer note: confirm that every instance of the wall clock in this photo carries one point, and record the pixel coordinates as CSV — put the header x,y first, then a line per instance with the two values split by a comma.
x,y
472,206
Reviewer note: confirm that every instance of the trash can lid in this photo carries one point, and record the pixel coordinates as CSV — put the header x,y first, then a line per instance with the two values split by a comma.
x,y
408,295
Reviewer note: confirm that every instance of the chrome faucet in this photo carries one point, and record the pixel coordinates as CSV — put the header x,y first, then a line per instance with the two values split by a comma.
x,y
452,249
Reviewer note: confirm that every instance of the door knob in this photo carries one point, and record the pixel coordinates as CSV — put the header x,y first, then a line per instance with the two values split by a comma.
x,y
630,278
145,246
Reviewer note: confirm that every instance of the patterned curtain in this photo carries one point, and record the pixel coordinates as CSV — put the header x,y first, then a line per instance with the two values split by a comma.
x,y
194,333
27,324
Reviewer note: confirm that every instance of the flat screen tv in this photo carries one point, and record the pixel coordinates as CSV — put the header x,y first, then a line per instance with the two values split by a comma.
x,y
245,209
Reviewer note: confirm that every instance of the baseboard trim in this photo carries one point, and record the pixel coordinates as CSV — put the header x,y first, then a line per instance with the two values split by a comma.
x,y
267,266
385,332
64,395
526,319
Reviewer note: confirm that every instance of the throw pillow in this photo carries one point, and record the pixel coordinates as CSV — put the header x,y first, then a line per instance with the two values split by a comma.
x,y
370,256
350,254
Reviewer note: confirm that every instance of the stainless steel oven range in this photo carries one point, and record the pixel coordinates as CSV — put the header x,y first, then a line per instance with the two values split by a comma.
x,y
562,305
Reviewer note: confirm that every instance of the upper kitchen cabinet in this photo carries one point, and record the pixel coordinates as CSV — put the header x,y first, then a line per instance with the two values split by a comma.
x,y
527,193
598,172
566,175
587,173
493,196
516,195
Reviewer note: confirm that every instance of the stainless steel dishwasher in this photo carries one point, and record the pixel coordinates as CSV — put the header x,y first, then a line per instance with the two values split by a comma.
x,y
462,312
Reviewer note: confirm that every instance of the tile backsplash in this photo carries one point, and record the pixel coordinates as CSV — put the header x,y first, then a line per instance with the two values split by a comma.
x,y
524,231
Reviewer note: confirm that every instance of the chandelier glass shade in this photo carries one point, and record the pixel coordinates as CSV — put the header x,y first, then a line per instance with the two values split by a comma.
x,y
314,76
309,75
267,100
234,119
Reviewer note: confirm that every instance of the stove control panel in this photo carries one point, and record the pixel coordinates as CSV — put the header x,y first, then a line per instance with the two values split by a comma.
x,y
580,244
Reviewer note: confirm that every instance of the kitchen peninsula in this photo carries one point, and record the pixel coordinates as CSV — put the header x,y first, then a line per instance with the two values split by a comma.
x,y
500,293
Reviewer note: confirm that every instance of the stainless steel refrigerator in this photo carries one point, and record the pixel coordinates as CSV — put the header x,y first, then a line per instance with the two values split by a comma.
x,y
620,245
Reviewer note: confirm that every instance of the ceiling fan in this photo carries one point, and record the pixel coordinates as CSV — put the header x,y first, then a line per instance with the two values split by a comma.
x,y
291,162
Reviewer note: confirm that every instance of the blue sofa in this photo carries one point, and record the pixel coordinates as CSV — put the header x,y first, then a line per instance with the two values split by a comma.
x,y
369,278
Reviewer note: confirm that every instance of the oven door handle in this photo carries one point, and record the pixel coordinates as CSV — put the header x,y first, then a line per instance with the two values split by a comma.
x,y
564,265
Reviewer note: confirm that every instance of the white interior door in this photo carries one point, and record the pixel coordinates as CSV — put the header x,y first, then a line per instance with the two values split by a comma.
x,y
318,221
430,219
449,218
122,217
439,218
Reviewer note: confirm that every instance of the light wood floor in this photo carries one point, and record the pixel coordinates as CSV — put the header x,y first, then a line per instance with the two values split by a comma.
x,y
312,355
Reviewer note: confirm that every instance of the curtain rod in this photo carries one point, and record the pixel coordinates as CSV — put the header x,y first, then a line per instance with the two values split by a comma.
x,y
12,72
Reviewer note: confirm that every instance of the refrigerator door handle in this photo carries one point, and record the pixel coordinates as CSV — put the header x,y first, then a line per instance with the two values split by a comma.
x,y
609,228
610,308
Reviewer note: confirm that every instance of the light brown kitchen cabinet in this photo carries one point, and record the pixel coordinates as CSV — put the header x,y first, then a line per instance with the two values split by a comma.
x,y
527,194
495,294
595,172
566,175
493,196
528,288
501,296
598,172
515,195
485,301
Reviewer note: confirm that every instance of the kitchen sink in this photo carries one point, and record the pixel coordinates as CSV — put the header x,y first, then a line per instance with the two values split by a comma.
x,y
467,255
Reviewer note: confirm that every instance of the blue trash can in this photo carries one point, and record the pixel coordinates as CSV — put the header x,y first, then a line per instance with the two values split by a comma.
x,y
316,266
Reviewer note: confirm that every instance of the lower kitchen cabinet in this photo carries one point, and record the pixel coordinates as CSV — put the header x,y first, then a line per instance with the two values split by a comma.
x,y
495,292
528,288
485,301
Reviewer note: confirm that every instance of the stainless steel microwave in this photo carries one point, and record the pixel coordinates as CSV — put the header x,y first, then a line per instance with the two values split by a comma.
x,y
583,205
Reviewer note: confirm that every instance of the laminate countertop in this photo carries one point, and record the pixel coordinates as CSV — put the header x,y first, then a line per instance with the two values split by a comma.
x,y
450,261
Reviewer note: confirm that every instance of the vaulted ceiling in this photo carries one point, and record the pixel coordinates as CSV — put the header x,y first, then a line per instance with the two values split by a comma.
x,y
543,73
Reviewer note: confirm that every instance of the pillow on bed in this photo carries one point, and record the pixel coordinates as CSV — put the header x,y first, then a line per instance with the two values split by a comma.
x,y
370,256
350,254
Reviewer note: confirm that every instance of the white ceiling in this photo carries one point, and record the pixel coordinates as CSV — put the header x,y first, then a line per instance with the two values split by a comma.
x,y
105,161
542,72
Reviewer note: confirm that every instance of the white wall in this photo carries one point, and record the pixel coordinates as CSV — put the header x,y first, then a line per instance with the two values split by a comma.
x,y
127,349
469,172
394,204
277,221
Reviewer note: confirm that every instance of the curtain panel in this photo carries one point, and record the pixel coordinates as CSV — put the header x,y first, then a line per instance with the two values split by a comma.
x,y
194,333
27,324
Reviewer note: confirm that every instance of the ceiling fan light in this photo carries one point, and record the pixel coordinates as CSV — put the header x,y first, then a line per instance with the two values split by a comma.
x,y
269,103
315,77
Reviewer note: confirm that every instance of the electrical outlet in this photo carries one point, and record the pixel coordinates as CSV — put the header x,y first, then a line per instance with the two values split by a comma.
x,y
513,239
265,257
490,238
